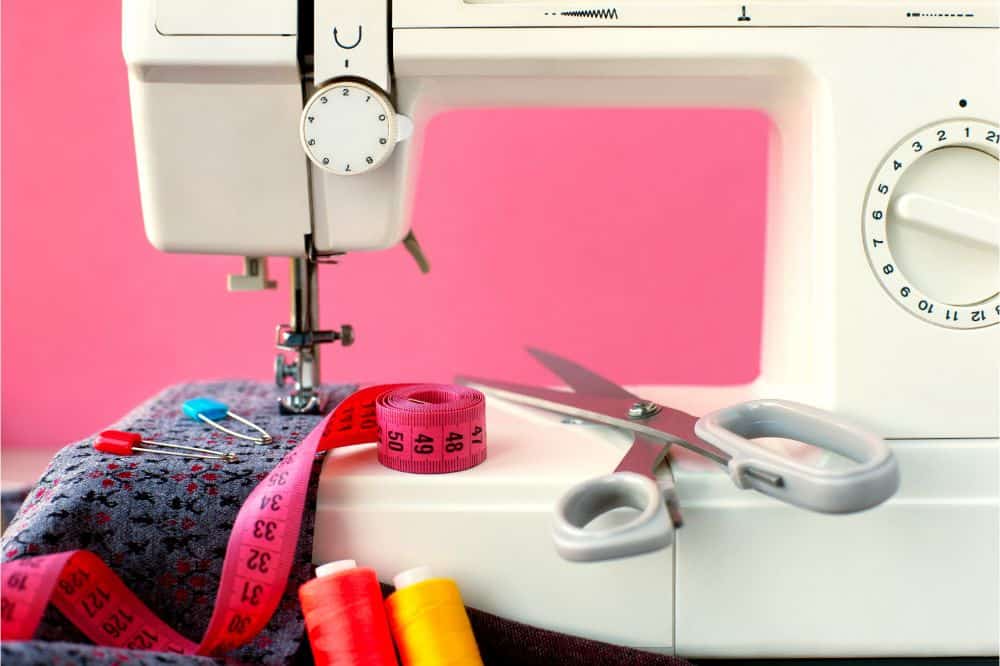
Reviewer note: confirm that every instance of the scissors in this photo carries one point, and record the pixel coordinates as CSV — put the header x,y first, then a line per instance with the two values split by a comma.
x,y
724,436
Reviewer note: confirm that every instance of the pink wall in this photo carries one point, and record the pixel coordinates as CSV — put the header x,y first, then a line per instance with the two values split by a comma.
x,y
629,239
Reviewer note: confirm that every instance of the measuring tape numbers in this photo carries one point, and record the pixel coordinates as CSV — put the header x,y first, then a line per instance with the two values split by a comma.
x,y
261,547
431,428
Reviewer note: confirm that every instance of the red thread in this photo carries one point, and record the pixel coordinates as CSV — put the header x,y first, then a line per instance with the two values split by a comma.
x,y
345,620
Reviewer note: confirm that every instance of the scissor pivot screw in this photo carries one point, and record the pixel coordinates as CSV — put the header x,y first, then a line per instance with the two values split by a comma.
x,y
643,409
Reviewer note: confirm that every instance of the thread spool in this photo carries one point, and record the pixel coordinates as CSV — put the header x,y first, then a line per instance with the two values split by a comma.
x,y
429,622
345,617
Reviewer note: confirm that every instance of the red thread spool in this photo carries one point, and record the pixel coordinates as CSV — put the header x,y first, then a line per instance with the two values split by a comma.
x,y
345,617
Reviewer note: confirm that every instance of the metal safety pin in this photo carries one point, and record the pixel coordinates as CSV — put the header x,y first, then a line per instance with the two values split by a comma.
x,y
122,443
212,411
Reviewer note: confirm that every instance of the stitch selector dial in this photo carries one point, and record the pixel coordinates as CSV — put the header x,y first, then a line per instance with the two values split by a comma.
x,y
932,224
350,128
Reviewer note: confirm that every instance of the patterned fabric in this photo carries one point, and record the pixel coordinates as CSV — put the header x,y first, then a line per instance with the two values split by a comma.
x,y
10,502
162,522
71,654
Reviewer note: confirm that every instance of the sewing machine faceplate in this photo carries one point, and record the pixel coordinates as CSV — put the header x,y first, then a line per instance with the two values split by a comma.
x,y
898,331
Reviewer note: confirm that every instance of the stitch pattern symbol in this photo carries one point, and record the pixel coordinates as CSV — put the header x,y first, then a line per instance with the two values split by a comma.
x,y
592,13
941,15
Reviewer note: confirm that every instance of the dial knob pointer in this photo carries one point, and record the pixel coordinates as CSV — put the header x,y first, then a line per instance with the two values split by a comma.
x,y
948,218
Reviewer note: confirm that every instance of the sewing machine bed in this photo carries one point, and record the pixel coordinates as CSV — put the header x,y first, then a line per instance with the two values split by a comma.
x,y
162,524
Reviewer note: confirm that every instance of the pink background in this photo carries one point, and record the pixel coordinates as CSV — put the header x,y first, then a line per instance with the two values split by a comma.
x,y
628,239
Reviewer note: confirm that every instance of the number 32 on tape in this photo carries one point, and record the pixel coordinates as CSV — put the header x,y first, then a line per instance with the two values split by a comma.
x,y
255,569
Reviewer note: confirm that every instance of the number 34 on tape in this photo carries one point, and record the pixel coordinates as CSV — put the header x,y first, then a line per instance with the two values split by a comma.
x,y
254,574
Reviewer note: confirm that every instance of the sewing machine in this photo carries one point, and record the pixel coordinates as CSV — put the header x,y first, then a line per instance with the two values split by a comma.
x,y
881,295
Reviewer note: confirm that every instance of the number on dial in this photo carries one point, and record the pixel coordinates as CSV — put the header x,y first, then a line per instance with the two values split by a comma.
x,y
348,128
932,220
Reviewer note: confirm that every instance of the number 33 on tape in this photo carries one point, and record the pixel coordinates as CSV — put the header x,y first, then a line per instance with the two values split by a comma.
x,y
255,569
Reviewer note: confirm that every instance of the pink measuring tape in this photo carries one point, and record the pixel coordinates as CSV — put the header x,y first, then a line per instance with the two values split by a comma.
x,y
431,428
262,544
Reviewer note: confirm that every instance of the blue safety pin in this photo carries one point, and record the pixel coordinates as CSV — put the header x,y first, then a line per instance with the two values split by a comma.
x,y
212,411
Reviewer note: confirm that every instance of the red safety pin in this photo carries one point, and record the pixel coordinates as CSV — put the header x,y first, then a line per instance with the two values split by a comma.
x,y
122,443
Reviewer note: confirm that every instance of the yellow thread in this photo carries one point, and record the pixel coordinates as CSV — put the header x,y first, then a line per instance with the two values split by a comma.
x,y
431,628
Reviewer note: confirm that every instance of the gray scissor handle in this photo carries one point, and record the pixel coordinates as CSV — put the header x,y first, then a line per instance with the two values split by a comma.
x,y
872,480
651,530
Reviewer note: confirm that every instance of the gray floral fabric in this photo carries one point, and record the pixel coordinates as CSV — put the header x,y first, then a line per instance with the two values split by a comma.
x,y
37,653
161,522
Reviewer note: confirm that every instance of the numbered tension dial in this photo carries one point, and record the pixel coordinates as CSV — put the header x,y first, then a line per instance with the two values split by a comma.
x,y
349,128
932,224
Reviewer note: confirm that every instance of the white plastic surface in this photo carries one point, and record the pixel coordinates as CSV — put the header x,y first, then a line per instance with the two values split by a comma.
x,y
351,38
216,138
832,336
226,17
221,168
916,576
823,330
696,13
748,576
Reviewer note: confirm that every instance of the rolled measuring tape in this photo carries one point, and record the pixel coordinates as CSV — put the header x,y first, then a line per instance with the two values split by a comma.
x,y
431,428
255,570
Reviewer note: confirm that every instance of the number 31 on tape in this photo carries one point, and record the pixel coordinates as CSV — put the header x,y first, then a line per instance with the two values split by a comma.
x,y
262,543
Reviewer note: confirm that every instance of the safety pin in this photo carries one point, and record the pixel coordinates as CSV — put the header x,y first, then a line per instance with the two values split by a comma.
x,y
211,411
122,443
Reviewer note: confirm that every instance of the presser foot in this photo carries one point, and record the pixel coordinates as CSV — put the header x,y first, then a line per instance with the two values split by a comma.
x,y
303,339
302,402
306,397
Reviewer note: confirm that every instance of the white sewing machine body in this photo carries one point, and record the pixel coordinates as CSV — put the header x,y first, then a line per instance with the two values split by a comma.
x,y
747,576
217,96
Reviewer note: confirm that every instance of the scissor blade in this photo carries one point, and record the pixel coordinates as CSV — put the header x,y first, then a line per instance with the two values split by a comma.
x,y
681,425
669,488
644,456
610,411
579,378
668,425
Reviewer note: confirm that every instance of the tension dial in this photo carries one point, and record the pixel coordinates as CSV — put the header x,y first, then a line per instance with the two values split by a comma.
x,y
349,128
932,223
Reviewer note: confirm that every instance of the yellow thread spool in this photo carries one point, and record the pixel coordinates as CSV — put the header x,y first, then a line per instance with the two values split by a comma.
x,y
428,621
